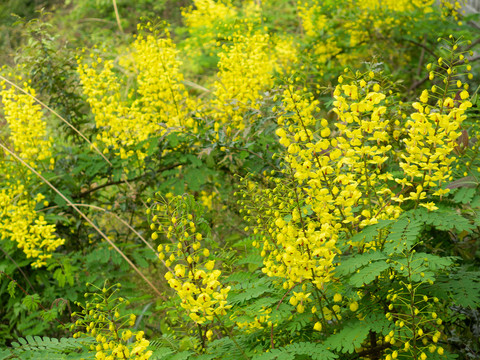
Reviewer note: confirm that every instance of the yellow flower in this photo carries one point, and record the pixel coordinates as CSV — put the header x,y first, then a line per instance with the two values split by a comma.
x,y
210,264
354,306
424,96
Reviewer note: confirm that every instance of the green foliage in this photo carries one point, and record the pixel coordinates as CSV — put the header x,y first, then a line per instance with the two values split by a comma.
x,y
312,350
36,347
385,268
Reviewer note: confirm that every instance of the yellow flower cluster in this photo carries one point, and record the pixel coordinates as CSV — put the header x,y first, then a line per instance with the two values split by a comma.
x,y
418,328
193,276
207,13
100,318
161,100
260,321
432,133
361,21
22,224
398,6
295,247
210,22
454,8
201,293
312,20
286,54
344,172
363,147
245,70
27,134
208,199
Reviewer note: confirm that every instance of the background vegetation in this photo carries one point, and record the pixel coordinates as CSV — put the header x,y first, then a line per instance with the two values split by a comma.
x,y
216,179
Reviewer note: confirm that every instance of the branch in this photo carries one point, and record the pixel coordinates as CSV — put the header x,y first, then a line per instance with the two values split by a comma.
x,y
27,294
475,42
118,182
418,83
112,183
424,47
20,269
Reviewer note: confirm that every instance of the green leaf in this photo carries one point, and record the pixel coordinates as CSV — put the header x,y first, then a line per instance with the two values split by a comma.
x,y
463,288
184,355
162,353
248,290
60,201
368,273
173,140
313,350
31,302
11,288
350,337
195,178
370,233
356,261
464,195
445,219
403,233
433,262
5,354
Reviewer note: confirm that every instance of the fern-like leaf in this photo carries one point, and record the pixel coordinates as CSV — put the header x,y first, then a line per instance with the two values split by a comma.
x,y
444,219
36,347
462,287
354,262
349,338
314,350
403,233
161,353
368,273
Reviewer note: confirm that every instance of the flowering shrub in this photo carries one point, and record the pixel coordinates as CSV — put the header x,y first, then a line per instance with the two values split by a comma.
x,y
263,190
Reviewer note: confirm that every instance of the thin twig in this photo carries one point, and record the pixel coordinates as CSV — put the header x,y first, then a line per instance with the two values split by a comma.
x,y
27,294
422,57
132,265
418,83
89,191
424,47
473,43
279,303
20,269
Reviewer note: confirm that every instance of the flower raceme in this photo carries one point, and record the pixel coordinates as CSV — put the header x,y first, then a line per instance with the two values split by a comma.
x,y
20,221
245,70
161,100
190,273
28,132
361,21
101,319
433,130
334,179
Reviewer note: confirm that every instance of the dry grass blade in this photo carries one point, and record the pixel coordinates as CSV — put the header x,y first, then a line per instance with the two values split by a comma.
x,y
117,15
